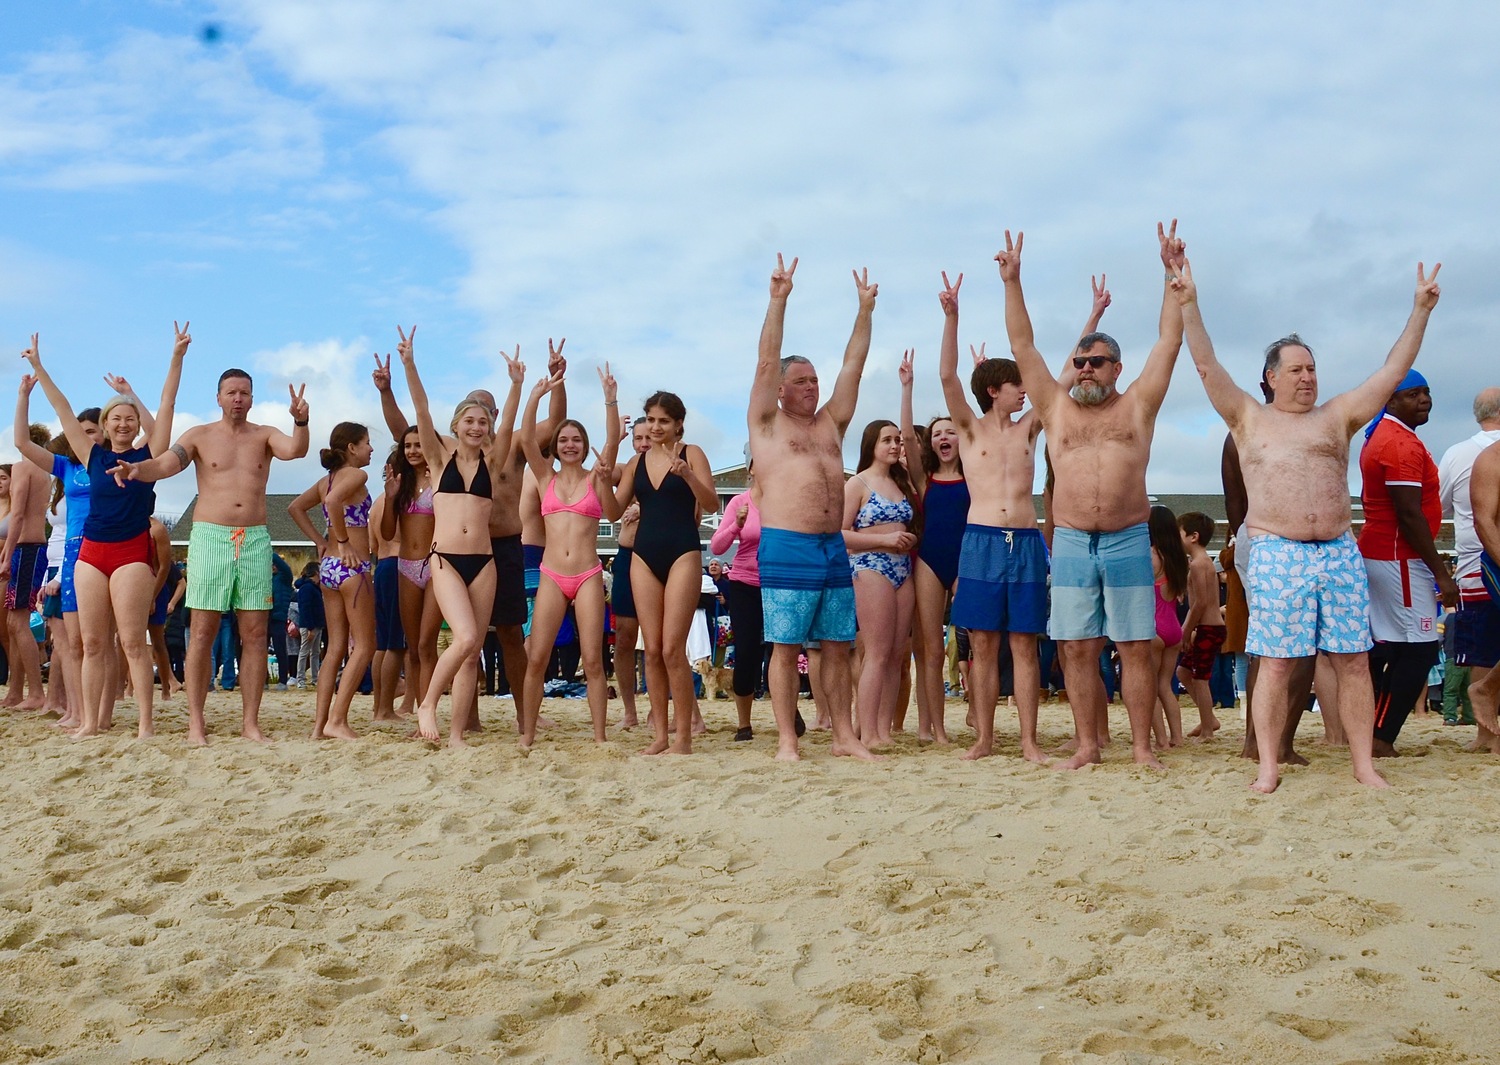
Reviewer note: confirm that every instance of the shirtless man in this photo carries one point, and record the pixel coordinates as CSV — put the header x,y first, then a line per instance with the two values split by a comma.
x,y
1002,566
1100,440
1484,498
807,587
1308,589
506,477
229,549
23,568
1203,629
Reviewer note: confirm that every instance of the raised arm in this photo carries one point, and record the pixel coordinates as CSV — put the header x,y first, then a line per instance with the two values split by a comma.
x,y
613,430
953,389
1041,387
909,440
78,439
505,422
767,382
1228,398
432,443
30,450
531,447
840,405
1068,374
1363,402
557,404
159,436
390,410
291,447
1156,374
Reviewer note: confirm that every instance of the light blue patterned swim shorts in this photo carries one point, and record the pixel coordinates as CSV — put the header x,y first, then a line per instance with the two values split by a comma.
x,y
1307,596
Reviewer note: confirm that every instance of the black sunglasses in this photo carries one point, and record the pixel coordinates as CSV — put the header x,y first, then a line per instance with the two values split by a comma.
x,y
1096,361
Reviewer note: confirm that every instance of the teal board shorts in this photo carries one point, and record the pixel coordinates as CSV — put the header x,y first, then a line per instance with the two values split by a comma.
x,y
1102,585
806,587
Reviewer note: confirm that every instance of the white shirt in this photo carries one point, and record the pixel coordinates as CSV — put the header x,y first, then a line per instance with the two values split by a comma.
x,y
1453,489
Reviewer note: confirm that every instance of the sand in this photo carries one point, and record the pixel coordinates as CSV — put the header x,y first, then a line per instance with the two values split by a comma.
x,y
381,899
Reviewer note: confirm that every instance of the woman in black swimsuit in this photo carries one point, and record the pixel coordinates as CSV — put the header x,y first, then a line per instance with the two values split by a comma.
x,y
463,570
674,486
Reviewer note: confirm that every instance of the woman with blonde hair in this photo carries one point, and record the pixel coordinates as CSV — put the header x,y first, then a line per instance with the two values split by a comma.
x,y
463,566
114,576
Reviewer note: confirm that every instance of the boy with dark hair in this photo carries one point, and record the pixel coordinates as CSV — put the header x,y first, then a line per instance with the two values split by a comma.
x,y
1203,629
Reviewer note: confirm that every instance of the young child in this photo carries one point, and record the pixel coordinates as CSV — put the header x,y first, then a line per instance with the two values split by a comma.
x,y
1203,629
1169,565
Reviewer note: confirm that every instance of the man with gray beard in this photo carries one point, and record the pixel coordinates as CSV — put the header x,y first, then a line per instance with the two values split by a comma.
x,y
1100,441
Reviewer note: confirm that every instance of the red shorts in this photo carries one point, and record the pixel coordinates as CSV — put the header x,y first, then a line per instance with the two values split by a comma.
x,y
1199,658
108,557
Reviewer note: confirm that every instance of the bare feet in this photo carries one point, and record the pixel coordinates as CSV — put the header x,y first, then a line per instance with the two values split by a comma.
x,y
940,737
144,732
786,751
630,721
681,747
1382,749
1081,759
979,750
855,749
1032,753
656,747
253,732
197,737
427,726
1148,759
1371,779
1290,757
545,722
456,742
1484,711
339,732
1265,783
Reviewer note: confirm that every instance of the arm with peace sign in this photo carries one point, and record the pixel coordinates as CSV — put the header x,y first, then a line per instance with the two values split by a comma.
x,y
531,445
295,446
1041,387
959,411
767,381
1067,375
1364,401
1156,374
1228,398
840,405
613,431
433,448
159,434
557,403
505,422
390,410
915,468
79,440
604,483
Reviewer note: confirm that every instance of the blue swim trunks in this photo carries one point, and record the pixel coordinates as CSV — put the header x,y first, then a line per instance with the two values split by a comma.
x,y
1002,580
1307,596
806,587
389,635
1102,585
532,554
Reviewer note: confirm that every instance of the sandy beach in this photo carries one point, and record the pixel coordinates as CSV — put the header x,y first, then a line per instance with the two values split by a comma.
x,y
384,899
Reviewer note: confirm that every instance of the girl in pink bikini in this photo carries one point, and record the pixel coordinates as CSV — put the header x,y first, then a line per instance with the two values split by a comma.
x,y
1169,564
570,567
408,516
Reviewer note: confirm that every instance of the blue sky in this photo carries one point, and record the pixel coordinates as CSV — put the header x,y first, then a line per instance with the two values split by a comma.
x,y
623,175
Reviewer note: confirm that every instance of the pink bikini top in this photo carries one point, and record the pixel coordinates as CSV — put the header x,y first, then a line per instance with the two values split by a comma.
x,y
422,504
588,506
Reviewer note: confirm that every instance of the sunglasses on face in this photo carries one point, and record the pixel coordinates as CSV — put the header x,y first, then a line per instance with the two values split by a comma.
x,y
1096,361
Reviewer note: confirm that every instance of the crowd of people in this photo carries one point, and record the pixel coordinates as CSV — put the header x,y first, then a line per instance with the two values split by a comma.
x,y
490,525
